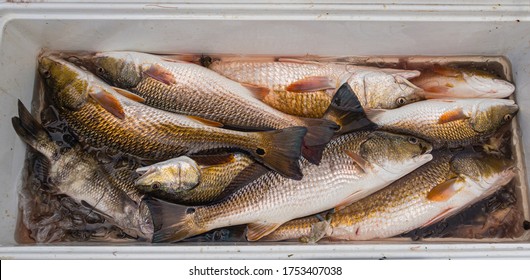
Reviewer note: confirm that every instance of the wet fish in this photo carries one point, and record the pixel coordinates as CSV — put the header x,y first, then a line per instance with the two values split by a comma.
x,y
310,84
79,176
448,122
102,117
200,181
190,89
311,104
449,82
439,189
353,166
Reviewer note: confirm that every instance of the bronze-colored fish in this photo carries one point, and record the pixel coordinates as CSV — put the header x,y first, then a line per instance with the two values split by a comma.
x,y
353,166
102,117
437,190
190,89
310,84
448,122
449,82
201,181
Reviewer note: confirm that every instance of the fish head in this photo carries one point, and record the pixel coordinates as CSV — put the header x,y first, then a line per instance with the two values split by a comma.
x,y
171,176
395,152
135,219
487,85
482,172
145,220
490,114
391,90
66,83
120,69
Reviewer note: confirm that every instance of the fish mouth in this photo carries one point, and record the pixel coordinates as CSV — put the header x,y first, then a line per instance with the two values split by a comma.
x,y
423,157
489,85
504,177
80,59
144,172
145,222
425,148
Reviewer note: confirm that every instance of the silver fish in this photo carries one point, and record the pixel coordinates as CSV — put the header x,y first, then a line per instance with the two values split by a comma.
x,y
79,176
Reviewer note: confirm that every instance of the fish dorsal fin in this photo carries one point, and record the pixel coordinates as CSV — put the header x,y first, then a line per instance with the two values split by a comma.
x,y
445,190
211,160
296,60
179,59
247,175
313,83
361,164
446,71
160,74
452,115
129,95
255,231
257,91
206,121
106,100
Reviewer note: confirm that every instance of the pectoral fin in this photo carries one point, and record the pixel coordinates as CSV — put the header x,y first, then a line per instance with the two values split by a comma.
x,y
160,74
360,162
453,115
311,84
445,190
255,231
108,102
129,95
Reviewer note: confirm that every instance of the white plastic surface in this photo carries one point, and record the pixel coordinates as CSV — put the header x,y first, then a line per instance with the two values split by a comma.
x,y
289,29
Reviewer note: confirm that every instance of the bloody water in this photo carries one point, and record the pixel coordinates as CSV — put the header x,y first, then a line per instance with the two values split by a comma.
x,y
46,216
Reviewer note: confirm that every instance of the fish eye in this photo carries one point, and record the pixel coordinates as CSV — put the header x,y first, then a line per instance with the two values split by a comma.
x,y
156,185
413,140
508,117
401,101
46,74
100,70
260,151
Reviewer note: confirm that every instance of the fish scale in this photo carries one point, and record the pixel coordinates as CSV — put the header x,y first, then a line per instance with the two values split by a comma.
x,y
404,205
190,89
449,122
271,200
309,104
376,88
101,116
168,98
80,176
212,175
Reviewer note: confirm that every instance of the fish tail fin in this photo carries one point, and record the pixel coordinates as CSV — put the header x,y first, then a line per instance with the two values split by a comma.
x,y
281,150
32,132
171,222
319,133
347,112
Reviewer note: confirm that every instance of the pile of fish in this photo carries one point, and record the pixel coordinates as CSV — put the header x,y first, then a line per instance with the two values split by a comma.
x,y
293,149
